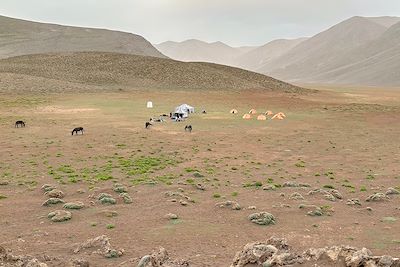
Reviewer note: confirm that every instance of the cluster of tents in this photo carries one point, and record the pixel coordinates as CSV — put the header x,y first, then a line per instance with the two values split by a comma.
x,y
261,117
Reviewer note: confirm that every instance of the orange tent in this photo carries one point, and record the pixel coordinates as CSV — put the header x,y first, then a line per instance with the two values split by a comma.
x,y
261,118
246,116
269,113
253,111
282,114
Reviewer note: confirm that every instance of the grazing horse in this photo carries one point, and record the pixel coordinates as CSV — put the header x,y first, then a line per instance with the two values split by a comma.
x,y
76,130
147,125
19,124
188,128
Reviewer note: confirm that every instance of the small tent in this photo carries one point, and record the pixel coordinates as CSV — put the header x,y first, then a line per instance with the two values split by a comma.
x,y
183,111
233,111
277,116
149,104
269,113
253,111
261,118
246,116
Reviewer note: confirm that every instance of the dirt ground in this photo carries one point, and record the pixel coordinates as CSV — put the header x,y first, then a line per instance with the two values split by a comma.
x,y
346,140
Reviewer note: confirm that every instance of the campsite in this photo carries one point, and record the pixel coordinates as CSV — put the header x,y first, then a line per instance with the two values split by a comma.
x,y
257,164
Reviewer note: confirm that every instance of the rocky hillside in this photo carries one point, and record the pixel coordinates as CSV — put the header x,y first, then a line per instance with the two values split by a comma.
x,y
112,70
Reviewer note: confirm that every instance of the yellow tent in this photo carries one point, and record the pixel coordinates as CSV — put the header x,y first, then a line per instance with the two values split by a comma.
x,y
261,118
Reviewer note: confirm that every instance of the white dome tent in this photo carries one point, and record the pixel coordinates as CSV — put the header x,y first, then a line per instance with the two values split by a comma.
x,y
183,110
149,104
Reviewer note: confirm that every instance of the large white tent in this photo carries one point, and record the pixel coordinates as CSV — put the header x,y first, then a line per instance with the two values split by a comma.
x,y
184,110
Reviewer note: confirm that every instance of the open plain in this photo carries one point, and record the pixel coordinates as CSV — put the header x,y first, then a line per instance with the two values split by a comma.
x,y
342,141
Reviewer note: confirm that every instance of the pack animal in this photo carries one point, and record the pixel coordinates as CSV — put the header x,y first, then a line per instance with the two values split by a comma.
x,y
19,124
147,125
76,130
188,128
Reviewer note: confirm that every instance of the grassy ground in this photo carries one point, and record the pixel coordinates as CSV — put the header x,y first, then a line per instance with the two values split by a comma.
x,y
322,142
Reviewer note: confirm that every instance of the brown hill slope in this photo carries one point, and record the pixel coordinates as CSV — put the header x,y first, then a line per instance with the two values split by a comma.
x,y
314,55
20,37
112,70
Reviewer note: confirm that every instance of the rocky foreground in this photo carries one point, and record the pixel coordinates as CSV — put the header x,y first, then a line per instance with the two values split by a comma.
x,y
273,252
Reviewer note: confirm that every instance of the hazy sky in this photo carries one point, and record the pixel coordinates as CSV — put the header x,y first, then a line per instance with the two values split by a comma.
x,y
236,22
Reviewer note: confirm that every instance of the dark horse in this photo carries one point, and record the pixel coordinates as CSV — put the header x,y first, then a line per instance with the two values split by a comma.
x,y
147,125
76,130
188,128
19,124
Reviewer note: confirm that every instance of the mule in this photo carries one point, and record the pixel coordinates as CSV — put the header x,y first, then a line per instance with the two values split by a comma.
x,y
76,130
19,124
148,124
188,128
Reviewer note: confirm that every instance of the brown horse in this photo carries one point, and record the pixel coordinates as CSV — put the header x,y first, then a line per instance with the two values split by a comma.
x,y
76,130
188,128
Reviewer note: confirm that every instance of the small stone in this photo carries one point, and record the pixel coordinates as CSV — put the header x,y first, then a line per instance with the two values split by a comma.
x,y
296,196
269,187
55,193
126,197
377,197
252,208
330,197
81,191
53,201
119,188
103,195
353,201
108,200
392,191
183,202
59,216
232,204
109,213
171,216
48,187
262,218
336,194
200,187
74,205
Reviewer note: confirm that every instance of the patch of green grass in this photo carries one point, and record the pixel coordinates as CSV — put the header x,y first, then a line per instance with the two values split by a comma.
x,y
2,197
370,177
300,164
66,169
110,226
363,188
216,195
235,194
328,186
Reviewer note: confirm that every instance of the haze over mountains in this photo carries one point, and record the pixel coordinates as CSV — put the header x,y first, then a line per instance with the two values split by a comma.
x,y
358,51
20,37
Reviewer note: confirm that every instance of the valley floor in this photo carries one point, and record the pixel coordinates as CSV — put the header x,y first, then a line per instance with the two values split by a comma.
x,y
344,140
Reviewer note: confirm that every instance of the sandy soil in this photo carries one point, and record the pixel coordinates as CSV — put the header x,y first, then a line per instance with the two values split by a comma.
x,y
323,142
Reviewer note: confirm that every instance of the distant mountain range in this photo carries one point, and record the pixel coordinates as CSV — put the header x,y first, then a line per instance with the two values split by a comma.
x,y
21,37
358,51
